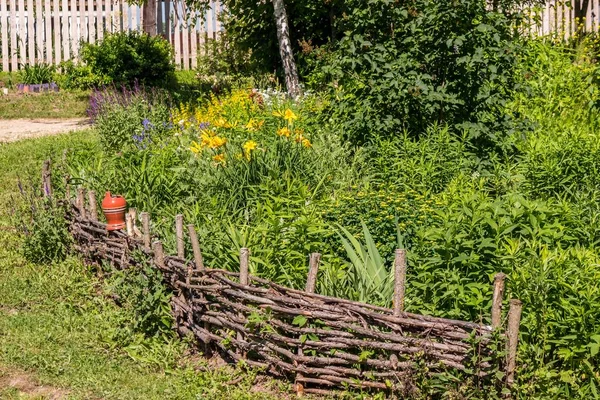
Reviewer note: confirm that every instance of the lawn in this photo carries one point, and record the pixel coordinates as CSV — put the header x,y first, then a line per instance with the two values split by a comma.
x,y
64,104
59,329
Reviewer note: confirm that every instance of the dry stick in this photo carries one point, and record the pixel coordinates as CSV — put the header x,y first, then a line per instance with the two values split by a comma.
x,y
311,283
81,201
93,205
146,229
196,248
512,333
179,233
497,299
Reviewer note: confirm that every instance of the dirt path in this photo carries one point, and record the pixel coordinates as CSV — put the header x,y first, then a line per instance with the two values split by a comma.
x,y
17,129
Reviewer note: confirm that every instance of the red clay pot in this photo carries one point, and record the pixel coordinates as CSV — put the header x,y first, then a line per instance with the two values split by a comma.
x,y
114,211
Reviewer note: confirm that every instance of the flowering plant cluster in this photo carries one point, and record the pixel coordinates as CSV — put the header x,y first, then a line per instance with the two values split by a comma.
x,y
239,126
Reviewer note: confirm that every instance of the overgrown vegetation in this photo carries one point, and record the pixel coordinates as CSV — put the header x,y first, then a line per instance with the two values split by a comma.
x,y
436,128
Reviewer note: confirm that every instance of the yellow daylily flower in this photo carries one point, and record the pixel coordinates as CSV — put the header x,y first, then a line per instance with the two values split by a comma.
x,y
248,147
306,143
254,124
285,131
196,148
219,158
289,115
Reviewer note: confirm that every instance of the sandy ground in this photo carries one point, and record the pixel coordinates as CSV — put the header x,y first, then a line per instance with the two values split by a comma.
x,y
17,129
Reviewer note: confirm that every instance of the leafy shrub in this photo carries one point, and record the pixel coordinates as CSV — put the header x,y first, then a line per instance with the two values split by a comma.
x,y
127,57
405,66
37,73
76,76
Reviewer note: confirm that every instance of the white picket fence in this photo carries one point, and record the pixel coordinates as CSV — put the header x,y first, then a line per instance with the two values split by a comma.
x,y
562,18
50,31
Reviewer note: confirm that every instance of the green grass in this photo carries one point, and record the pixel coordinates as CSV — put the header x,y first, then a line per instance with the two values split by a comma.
x,y
44,105
58,326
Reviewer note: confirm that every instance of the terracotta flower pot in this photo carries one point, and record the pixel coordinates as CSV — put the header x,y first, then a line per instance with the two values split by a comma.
x,y
113,208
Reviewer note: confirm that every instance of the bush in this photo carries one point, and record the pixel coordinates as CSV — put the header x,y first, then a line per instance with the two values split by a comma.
x,y
76,76
37,74
127,57
405,66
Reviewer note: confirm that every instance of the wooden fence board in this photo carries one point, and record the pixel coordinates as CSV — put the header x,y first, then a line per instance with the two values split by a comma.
x,y
48,34
177,42
65,29
38,33
21,42
100,19
4,21
13,35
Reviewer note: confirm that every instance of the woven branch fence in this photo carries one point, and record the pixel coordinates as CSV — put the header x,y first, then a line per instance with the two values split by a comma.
x,y
320,343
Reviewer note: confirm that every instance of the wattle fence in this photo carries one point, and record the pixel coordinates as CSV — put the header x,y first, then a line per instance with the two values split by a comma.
x,y
318,342
50,31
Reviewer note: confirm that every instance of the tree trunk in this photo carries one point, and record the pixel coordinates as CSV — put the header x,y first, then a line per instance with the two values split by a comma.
x,y
285,50
149,17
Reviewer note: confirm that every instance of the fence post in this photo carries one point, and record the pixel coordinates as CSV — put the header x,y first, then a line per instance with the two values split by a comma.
x,y
146,229
93,205
497,299
313,270
196,248
311,283
129,224
244,262
159,255
399,281
80,202
179,232
512,333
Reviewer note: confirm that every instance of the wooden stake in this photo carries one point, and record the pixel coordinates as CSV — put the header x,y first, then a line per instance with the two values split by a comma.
x,y
159,255
196,248
93,205
146,229
313,270
497,299
81,201
244,263
399,281
512,333
129,224
179,232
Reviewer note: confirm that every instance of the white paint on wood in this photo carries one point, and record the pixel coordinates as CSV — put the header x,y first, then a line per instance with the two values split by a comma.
x,y
22,40
4,21
48,27
82,20
56,28
13,36
185,33
65,29
194,45
38,32
177,40
91,22
100,19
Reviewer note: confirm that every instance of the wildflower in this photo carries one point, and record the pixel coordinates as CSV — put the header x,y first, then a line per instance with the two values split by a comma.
x,y
248,147
212,141
222,123
306,143
289,115
285,131
196,148
254,125
219,158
